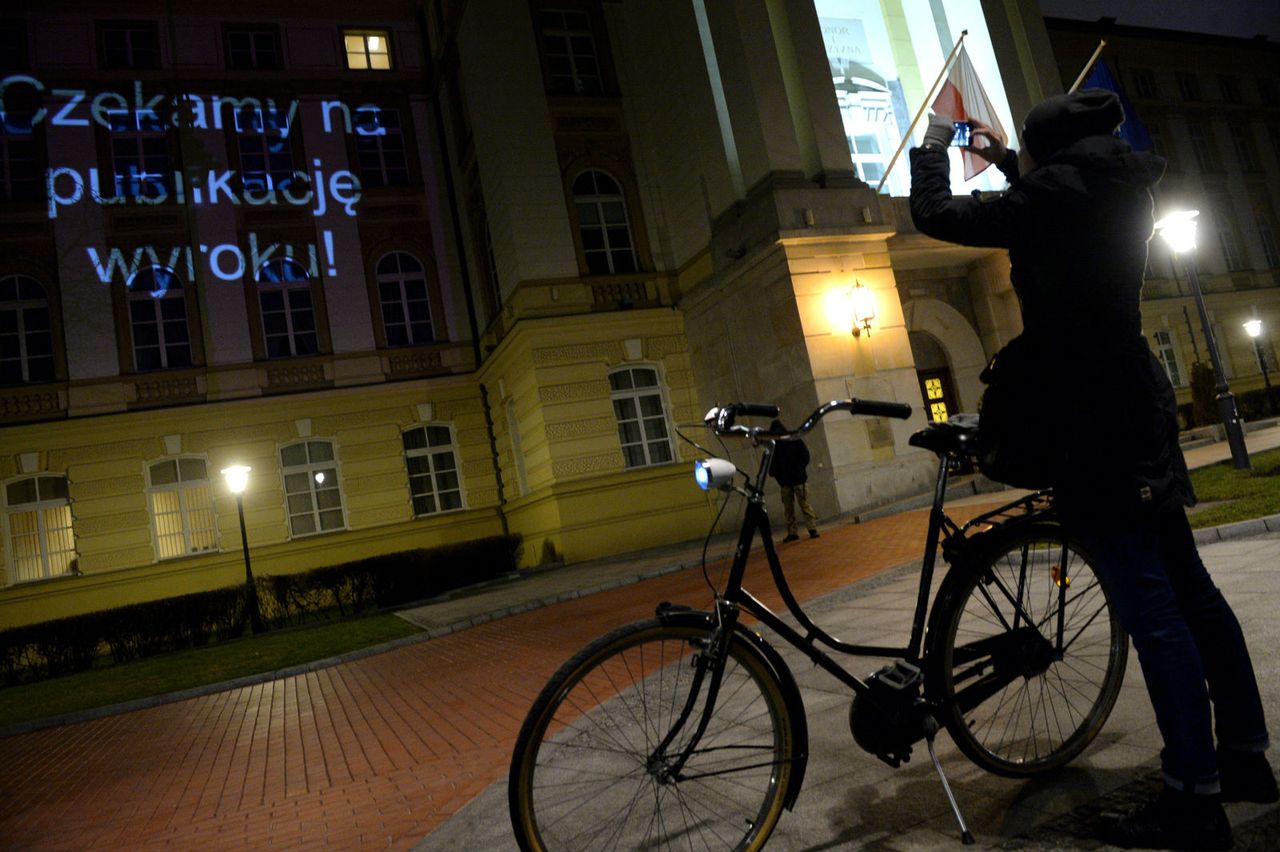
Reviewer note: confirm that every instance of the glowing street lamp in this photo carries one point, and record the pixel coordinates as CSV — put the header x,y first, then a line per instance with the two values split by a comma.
x,y
237,477
1178,229
1253,328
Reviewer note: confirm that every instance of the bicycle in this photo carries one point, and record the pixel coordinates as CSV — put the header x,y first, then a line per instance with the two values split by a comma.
x,y
689,729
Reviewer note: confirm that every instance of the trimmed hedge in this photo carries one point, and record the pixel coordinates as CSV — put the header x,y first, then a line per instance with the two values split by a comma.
x,y
66,645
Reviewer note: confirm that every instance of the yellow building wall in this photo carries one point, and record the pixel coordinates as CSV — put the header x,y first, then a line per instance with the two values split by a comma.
x,y
581,501
105,459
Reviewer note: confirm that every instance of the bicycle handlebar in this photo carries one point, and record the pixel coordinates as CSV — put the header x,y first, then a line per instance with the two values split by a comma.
x,y
721,418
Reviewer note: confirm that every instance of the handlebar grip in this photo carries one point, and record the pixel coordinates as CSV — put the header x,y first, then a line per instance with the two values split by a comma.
x,y
755,409
876,408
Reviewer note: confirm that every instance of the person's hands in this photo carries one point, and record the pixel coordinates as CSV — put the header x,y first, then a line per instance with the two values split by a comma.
x,y
940,131
994,150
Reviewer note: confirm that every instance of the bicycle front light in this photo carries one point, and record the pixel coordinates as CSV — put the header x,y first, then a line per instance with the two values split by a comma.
x,y
713,473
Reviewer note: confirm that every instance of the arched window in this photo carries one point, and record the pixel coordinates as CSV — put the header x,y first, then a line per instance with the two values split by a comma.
x,y
37,515
288,315
312,494
603,224
182,513
26,341
642,417
402,292
158,320
432,459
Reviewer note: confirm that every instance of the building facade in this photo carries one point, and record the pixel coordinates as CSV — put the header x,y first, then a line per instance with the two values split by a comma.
x,y
447,269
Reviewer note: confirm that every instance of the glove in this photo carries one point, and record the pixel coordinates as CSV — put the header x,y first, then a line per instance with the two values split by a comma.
x,y
940,131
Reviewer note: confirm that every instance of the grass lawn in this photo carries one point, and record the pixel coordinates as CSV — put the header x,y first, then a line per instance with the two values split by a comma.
x,y
1228,495
196,667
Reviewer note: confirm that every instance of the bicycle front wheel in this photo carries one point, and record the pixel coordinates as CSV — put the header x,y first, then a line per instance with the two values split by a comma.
x,y
1025,655
614,753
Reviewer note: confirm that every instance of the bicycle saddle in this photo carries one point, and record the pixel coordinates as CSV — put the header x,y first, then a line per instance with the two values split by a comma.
x,y
957,436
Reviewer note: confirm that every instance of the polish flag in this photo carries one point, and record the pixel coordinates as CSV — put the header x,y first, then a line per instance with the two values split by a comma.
x,y
963,98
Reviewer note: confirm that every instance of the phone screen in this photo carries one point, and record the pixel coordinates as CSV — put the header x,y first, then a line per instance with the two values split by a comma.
x,y
963,135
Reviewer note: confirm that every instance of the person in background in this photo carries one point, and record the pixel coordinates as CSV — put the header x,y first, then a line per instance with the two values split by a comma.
x,y
1076,221
790,467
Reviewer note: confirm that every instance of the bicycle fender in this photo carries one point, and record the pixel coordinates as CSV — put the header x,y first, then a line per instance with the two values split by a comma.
x,y
671,614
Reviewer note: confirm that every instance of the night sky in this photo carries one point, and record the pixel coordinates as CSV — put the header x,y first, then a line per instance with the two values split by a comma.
x,y
1243,18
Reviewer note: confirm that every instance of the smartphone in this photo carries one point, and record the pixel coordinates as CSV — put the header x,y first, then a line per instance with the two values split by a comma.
x,y
963,135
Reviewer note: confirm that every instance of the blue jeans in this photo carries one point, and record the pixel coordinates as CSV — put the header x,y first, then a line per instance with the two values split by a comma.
x,y
1188,641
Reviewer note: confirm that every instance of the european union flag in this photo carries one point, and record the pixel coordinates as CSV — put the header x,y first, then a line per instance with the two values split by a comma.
x,y
1132,130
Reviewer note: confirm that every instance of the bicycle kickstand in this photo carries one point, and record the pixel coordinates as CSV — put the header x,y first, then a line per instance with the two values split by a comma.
x,y
965,836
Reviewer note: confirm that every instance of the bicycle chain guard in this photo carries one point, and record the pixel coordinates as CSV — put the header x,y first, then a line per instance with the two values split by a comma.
x,y
891,715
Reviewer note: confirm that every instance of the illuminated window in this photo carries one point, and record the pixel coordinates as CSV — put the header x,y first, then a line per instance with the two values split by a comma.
x,y
37,515
19,178
432,460
182,515
934,396
266,155
26,340
380,148
158,320
402,292
312,495
569,46
641,415
130,45
288,315
367,49
603,224
252,48
139,154
1167,351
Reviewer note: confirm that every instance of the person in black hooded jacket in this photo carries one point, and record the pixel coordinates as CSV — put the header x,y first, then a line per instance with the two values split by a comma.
x,y
1076,220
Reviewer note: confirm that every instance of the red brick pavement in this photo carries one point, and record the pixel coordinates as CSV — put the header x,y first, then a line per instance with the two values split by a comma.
x,y
369,754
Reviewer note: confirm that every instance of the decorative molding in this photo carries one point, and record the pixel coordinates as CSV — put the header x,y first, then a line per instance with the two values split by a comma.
x,y
294,376
632,349
28,462
410,363
166,389
426,412
606,351
574,391
604,463
172,444
302,427
17,404
621,293
581,428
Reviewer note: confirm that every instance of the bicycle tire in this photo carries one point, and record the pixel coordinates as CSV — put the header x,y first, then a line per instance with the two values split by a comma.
x,y
583,775
1014,705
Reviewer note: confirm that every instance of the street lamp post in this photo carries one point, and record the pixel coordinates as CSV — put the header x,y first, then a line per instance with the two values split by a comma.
x,y
237,477
1254,329
1179,230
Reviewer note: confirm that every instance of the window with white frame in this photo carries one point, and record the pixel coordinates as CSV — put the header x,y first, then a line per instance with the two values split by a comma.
x,y
380,149
569,47
181,499
312,494
642,417
158,320
37,516
20,179
139,154
402,294
266,152
431,456
26,340
603,224
1167,351
367,50
288,314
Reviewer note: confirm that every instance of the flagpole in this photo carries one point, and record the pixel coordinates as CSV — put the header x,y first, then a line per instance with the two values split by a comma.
x,y
1088,66
920,111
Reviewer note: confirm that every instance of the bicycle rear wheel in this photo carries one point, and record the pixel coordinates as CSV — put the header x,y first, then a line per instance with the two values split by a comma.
x,y
590,769
1025,655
